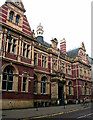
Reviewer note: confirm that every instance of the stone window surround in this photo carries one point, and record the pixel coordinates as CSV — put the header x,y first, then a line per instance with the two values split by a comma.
x,y
44,61
26,49
16,45
14,17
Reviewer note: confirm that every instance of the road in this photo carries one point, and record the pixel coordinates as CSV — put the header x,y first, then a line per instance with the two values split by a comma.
x,y
57,112
84,114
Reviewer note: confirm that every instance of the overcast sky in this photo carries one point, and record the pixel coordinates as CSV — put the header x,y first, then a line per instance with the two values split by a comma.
x,y
69,19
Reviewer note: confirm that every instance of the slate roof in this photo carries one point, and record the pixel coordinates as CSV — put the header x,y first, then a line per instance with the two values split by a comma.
x,y
73,53
41,40
90,59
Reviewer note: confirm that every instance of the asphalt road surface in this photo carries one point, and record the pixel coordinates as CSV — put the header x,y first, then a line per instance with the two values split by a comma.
x,y
84,114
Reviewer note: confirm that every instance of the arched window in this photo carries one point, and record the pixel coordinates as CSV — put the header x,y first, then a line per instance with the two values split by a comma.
x,y
8,76
11,16
69,85
43,85
17,20
35,83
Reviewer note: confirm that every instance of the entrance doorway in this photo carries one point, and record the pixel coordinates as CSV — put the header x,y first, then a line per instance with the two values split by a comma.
x,y
60,94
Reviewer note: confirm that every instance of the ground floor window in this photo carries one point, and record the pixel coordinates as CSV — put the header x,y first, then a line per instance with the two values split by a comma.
x,y
24,83
69,85
8,79
43,85
35,83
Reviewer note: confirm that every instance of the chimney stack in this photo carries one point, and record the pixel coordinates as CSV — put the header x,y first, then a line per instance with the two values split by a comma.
x,y
63,46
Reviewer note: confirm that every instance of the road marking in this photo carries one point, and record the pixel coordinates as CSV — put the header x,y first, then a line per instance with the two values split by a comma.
x,y
85,116
58,113
47,115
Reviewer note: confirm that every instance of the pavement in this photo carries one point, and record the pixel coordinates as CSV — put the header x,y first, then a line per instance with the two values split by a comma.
x,y
41,112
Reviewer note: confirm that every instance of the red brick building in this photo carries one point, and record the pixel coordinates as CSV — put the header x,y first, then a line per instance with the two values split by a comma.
x,y
33,71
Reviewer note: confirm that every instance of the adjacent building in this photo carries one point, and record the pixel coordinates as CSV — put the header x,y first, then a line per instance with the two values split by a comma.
x,y
34,72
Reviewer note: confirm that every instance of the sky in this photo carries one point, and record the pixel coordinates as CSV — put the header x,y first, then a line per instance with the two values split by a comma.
x,y
69,19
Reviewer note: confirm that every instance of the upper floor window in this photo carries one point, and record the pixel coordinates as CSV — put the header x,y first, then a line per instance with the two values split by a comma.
x,y
44,61
11,16
26,50
84,72
12,45
17,20
69,69
35,58
8,79
62,67
55,64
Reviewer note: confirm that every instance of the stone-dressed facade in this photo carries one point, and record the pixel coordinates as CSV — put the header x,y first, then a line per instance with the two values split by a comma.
x,y
33,71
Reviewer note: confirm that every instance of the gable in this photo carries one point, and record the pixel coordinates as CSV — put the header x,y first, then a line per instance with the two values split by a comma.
x,y
3,13
83,57
17,3
23,25
26,27
83,46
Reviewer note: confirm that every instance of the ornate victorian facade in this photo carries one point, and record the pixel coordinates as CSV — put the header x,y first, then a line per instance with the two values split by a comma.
x,y
33,71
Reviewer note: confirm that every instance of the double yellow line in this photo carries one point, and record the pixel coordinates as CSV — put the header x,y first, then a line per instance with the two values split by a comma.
x,y
50,115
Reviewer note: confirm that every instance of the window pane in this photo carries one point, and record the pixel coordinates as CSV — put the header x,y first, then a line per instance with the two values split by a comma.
x,y
14,41
24,83
24,45
10,38
23,52
28,47
10,78
4,85
24,87
13,49
4,76
17,19
45,64
9,47
27,53
7,82
11,16
9,87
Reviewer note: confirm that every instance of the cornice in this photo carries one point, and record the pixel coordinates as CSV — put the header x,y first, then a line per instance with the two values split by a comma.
x,y
17,31
17,62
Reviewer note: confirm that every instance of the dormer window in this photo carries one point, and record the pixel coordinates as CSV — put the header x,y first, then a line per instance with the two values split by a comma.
x,y
11,16
17,20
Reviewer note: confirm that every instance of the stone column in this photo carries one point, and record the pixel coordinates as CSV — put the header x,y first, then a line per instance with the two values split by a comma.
x,y
4,41
19,53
